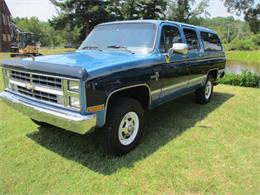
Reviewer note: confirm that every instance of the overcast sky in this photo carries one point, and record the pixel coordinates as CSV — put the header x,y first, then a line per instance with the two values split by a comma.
x,y
44,10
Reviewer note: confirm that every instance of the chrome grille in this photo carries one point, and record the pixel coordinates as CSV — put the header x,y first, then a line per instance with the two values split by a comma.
x,y
38,94
36,79
41,87
20,76
46,88
47,81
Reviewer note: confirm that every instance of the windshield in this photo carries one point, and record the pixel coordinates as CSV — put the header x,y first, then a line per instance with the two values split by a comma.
x,y
129,37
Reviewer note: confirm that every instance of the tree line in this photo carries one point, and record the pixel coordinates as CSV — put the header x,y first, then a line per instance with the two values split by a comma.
x,y
76,18
85,14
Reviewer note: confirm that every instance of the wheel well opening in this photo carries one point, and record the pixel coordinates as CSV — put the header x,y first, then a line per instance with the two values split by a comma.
x,y
142,94
213,73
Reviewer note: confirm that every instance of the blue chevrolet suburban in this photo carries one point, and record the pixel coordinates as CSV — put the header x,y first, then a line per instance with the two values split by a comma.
x,y
121,69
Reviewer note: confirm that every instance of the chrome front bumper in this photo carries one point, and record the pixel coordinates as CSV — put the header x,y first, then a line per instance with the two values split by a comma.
x,y
68,120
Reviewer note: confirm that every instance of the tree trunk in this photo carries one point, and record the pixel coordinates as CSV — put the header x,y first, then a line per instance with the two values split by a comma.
x,y
87,26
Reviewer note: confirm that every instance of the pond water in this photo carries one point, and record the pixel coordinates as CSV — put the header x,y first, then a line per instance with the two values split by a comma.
x,y
237,67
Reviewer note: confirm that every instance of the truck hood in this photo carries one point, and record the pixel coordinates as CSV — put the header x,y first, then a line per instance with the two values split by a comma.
x,y
82,63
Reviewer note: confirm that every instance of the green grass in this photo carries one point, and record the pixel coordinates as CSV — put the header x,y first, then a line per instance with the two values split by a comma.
x,y
44,51
244,56
186,148
48,51
4,56
192,148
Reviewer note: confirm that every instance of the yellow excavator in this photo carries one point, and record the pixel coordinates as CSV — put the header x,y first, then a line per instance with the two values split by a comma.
x,y
25,44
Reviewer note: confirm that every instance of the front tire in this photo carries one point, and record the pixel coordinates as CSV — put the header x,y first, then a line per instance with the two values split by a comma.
x,y
124,126
204,94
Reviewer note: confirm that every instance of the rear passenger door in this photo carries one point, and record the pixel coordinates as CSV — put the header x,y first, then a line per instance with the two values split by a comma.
x,y
195,53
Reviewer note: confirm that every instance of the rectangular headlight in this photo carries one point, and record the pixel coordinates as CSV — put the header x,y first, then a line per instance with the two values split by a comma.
x,y
74,102
73,86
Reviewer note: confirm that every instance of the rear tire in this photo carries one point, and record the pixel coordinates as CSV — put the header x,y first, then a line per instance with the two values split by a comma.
x,y
124,126
204,94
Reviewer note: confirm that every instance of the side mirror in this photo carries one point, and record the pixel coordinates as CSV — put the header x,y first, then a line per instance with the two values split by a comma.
x,y
179,48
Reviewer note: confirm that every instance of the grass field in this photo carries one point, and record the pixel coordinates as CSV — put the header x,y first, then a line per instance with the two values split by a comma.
x,y
186,148
244,56
44,51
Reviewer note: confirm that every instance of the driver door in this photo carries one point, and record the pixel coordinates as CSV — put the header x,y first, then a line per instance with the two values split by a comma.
x,y
175,71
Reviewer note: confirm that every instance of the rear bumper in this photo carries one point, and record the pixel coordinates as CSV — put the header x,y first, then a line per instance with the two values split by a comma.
x,y
68,120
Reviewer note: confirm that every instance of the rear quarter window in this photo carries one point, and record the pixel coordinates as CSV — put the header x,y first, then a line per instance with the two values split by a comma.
x,y
210,41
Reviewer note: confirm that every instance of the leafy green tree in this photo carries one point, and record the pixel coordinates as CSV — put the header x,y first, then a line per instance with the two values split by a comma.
x,y
29,25
47,35
252,16
114,9
238,6
130,9
80,17
72,36
185,10
80,14
84,15
152,9
256,40
242,44
248,8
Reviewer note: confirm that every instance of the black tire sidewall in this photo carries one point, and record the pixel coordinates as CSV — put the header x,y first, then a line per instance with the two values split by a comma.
x,y
125,106
200,93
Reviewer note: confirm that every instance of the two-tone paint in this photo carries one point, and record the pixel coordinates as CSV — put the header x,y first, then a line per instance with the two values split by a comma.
x,y
103,74
164,80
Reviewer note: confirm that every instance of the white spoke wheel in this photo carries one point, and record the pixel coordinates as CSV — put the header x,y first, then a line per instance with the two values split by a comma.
x,y
128,128
124,126
208,89
204,94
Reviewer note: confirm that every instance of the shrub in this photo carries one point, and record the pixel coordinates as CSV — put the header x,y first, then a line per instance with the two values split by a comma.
x,y
245,79
242,44
256,39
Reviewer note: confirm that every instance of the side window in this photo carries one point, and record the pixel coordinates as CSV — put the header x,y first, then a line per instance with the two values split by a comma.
x,y
192,40
211,42
169,36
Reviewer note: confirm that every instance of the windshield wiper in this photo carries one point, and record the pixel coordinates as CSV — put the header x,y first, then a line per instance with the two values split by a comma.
x,y
120,47
92,47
